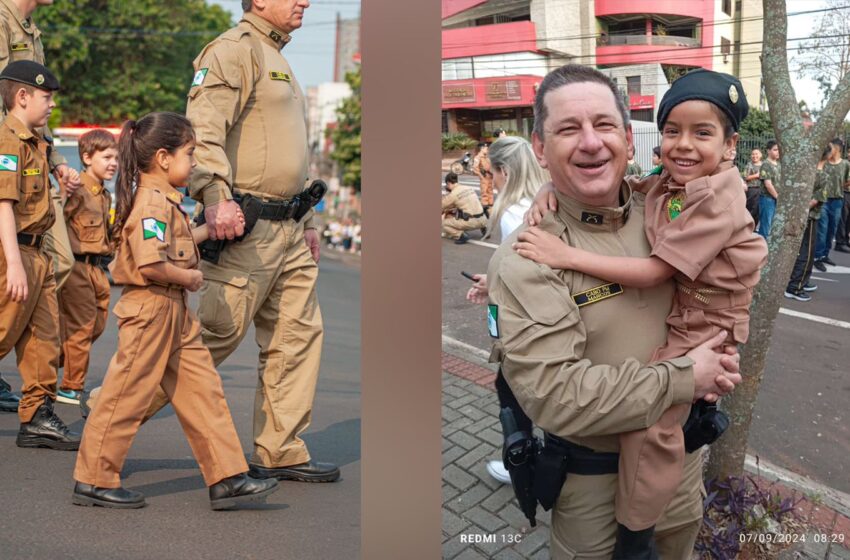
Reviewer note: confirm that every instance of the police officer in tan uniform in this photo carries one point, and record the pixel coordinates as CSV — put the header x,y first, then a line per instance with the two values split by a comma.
x,y
555,327
20,39
462,211
28,308
248,112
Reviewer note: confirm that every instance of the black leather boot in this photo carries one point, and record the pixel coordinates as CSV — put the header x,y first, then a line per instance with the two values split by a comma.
x,y
45,429
240,489
119,498
635,545
312,471
8,400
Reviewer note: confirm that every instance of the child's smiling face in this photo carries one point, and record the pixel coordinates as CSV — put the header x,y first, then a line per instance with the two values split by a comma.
x,y
693,141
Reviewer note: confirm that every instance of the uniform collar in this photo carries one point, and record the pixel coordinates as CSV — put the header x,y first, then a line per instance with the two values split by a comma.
x,y
91,184
26,23
19,128
162,186
595,218
276,36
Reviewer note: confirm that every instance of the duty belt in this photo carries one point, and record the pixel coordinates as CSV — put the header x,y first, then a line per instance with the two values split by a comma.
x,y
95,260
30,240
583,460
279,210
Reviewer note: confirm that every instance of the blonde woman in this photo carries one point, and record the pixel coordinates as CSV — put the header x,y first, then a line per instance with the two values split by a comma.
x,y
517,177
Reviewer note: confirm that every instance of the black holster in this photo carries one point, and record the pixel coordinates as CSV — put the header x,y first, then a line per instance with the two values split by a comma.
x,y
704,426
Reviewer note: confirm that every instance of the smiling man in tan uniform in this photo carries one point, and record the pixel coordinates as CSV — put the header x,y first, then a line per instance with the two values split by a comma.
x,y
555,327
248,113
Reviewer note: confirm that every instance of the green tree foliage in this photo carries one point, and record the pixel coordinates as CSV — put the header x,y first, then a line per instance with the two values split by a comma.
x,y
757,123
346,135
119,60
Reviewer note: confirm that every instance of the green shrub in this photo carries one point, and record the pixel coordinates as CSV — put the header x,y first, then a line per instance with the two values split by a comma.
x,y
457,141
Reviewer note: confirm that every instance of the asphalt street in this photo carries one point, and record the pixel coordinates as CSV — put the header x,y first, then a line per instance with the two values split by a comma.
x,y
801,421
37,519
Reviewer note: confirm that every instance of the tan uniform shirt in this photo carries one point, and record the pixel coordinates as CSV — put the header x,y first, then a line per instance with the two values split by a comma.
x,y
157,230
249,116
463,198
87,215
556,328
20,39
24,177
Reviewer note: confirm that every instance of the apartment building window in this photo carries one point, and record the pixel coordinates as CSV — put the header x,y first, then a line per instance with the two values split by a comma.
x,y
633,85
727,7
725,48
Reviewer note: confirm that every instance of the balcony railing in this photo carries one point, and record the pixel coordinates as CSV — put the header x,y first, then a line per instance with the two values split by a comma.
x,y
663,40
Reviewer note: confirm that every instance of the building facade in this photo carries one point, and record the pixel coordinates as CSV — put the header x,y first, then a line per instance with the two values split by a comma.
x,y
496,52
347,47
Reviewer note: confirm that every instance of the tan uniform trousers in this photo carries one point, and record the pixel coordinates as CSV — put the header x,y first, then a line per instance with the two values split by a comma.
x,y
584,526
32,329
84,306
159,344
651,460
453,227
270,279
57,245
486,187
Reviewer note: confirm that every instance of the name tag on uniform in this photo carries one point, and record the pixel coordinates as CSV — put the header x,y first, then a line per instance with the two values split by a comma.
x,y
31,172
597,294
20,46
493,320
282,76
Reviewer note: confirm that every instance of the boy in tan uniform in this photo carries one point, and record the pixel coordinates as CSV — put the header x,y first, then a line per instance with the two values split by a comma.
x,y
481,168
84,300
462,211
28,309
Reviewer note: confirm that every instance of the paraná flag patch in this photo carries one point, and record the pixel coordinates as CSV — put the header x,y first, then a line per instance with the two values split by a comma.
x,y
8,162
153,228
199,77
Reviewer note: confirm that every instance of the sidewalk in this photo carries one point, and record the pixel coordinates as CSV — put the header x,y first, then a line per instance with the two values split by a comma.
x,y
480,516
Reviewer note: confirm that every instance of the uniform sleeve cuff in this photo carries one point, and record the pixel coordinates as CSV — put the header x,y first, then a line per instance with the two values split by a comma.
x,y
213,194
56,159
681,372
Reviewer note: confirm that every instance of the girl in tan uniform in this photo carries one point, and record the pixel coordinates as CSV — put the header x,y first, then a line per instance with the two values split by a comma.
x,y
84,299
702,235
159,338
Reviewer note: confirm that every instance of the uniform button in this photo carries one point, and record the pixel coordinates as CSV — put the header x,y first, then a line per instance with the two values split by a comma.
x,y
180,253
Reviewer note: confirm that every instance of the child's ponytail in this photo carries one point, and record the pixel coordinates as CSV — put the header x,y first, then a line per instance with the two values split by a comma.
x,y
128,171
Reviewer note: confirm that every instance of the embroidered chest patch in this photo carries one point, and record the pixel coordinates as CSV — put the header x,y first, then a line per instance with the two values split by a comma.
x,y
153,228
20,46
598,293
31,172
282,76
675,204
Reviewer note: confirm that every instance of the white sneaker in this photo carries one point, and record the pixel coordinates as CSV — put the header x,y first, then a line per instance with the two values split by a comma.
x,y
497,470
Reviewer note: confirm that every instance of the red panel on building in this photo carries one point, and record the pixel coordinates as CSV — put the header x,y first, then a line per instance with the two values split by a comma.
x,y
638,102
500,38
701,9
643,54
516,91
452,7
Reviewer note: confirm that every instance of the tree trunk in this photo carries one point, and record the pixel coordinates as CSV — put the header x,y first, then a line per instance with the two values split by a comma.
x,y
800,150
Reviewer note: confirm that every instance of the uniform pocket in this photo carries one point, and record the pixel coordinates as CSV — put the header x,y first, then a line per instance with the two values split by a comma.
x,y
32,192
181,250
89,226
125,310
223,302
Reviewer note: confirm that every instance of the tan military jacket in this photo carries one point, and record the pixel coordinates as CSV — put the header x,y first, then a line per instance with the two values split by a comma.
x,y
87,215
24,177
249,115
20,39
157,230
463,198
573,347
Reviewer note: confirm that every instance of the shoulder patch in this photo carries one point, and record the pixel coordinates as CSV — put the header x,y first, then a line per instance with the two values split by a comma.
x,y
283,76
493,320
151,227
8,162
199,77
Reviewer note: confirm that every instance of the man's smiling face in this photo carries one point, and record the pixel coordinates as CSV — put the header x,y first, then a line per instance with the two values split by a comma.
x,y
585,143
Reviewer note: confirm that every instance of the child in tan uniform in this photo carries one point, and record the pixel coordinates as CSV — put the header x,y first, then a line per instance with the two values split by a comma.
x,y
84,299
29,314
159,338
702,235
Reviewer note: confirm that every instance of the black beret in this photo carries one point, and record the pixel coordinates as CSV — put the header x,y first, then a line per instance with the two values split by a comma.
x,y
30,73
723,90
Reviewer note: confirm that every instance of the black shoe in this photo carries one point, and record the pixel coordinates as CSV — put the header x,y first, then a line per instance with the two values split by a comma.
x,y
119,498
8,400
635,545
842,248
305,472
45,429
810,287
828,261
798,295
240,489
820,266
462,239
483,231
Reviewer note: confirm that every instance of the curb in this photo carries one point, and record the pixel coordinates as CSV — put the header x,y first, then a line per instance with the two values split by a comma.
x,y
458,351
